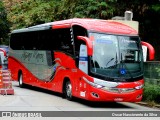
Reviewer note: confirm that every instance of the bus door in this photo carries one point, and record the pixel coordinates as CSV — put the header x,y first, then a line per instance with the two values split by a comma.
x,y
83,59
82,67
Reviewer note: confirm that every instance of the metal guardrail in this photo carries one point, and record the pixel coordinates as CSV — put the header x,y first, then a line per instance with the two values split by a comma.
x,y
152,72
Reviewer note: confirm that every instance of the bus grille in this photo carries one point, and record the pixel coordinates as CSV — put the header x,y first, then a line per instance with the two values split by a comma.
x,y
119,90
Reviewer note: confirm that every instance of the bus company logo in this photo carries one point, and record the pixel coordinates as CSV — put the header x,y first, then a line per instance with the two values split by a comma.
x,y
120,90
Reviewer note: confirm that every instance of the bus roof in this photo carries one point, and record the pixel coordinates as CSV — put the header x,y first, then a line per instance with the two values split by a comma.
x,y
109,26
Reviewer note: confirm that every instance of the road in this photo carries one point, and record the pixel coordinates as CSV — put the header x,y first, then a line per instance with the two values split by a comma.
x,y
35,99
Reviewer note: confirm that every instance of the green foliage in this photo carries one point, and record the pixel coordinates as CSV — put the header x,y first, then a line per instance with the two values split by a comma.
x,y
31,12
151,93
4,25
156,8
94,9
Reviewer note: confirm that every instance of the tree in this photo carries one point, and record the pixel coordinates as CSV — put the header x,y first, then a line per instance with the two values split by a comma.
x,y
30,12
85,9
4,25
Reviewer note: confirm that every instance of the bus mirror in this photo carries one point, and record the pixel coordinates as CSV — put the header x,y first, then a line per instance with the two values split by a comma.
x,y
88,43
146,46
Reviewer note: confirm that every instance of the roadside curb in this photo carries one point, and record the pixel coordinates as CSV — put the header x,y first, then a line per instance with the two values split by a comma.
x,y
148,105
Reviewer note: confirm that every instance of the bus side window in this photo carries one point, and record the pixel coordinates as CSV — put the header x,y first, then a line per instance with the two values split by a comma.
x,y
63,40
16,41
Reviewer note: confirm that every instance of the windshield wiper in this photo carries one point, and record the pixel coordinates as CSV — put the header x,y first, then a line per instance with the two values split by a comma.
x,y
109,61
116,60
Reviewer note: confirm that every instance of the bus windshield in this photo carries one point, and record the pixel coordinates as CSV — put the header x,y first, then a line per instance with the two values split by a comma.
x,y
116,56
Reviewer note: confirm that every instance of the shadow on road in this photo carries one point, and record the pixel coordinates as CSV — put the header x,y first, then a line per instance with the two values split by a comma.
x,y
101,104
81,101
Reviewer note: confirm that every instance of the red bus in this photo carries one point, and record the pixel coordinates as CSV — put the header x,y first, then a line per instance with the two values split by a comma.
x,y
96,60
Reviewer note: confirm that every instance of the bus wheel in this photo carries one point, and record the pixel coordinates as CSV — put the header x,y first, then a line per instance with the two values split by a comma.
x,y
20,80
68,90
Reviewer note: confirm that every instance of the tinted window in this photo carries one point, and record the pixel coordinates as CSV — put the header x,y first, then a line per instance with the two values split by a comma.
x,y
58,39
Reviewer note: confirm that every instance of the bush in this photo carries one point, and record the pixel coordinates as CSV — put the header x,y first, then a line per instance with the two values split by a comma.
x,y
151,93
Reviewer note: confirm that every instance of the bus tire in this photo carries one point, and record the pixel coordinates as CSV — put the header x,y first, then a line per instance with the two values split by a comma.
x,y
20,80
68,90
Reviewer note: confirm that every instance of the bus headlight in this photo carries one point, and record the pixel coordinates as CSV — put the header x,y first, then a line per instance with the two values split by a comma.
x,y
92,83
139,87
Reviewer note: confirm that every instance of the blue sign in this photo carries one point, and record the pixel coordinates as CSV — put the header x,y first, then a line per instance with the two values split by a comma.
x,y
83,58
104,41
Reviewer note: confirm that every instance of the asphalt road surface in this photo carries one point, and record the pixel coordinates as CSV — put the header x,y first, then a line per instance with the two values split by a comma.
x,y
36,99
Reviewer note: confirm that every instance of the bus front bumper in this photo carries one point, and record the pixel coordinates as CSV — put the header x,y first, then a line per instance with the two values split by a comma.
x,y
97,94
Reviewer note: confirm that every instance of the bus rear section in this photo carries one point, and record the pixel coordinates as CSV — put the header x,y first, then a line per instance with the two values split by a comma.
x,y
96,60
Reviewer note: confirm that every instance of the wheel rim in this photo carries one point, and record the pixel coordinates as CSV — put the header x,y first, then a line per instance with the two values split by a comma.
x,y
68,90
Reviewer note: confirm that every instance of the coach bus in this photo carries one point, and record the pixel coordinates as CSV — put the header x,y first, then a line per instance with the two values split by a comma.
x,y
91,59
